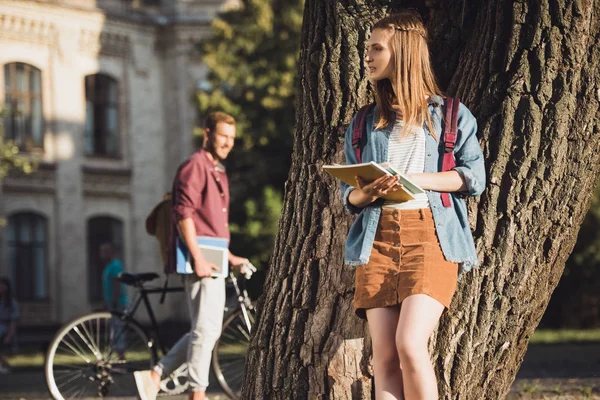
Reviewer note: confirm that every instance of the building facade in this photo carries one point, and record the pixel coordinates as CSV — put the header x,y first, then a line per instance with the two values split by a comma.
x,y
102,92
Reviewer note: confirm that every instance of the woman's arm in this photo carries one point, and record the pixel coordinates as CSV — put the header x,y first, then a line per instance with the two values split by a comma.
x,y
468,155
12,326
11,330
449,181
468,176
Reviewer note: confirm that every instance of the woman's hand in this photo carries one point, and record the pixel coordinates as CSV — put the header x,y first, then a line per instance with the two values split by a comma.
x,y
366,193
379,187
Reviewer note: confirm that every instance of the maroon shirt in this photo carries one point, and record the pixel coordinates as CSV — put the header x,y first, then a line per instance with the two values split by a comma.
x,y
200,192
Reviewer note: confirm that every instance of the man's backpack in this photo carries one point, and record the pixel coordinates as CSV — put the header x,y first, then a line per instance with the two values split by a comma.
x,y
158,224
449,134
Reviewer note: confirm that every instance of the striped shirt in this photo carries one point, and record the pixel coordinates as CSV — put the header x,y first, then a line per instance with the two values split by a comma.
x,y
406,154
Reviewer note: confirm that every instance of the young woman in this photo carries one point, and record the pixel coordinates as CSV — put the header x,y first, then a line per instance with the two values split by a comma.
x,y
408,255
9,312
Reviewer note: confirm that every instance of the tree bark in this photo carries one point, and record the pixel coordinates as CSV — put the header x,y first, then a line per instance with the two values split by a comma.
x,y
528,70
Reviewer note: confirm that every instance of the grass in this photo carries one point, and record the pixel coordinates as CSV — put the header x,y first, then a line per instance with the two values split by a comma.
x,y
33,357
550,336
564,389
529,388
587,392
556,389
26,360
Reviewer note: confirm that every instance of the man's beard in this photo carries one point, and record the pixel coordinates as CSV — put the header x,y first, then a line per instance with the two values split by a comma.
x,y
213,151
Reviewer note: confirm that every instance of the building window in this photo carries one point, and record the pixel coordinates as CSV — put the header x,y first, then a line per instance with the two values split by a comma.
x,y
23,122
101,116
28,255
101,230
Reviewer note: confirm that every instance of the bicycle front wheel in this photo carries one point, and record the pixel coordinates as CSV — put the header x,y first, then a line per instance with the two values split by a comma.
x,y
229,353
95,355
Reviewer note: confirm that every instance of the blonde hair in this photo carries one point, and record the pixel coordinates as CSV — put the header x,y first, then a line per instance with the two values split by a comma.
x,y
414,80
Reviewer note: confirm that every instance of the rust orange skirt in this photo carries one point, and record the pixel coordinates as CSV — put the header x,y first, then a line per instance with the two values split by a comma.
x,y
406,259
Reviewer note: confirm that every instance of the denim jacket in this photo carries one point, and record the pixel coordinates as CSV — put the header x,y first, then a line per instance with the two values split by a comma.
x,y
451,224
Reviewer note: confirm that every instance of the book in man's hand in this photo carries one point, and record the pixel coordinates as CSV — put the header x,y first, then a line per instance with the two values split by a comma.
x,y
371,171
215,251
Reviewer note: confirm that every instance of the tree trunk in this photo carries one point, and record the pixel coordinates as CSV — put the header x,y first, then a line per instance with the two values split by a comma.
x,y
528,70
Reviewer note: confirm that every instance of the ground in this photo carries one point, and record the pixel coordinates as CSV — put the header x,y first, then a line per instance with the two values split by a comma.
x,y
557,371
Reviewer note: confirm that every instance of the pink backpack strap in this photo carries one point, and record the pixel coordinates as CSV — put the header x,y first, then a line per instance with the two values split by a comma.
x,y
449,138
359,130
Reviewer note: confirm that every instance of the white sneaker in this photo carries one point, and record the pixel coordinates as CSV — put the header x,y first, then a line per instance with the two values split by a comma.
x,y
146,387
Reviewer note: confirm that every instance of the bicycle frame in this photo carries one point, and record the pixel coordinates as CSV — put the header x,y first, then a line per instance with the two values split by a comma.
x,y
243,300
142,297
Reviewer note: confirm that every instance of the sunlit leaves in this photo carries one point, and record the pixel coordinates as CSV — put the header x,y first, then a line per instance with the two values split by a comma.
x,y
9,155
252,59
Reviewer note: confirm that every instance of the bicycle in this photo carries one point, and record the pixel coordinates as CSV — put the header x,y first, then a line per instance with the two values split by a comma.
x,y
97,353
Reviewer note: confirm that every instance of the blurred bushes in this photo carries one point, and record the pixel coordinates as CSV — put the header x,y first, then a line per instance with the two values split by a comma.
x,y
576,300
252,59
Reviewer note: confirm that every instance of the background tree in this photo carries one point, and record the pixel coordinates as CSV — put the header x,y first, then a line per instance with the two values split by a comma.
x,y
252,59
10,159
575,303
9,154
528,70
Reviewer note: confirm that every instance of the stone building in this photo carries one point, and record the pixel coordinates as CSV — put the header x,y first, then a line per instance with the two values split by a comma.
x,y
102,91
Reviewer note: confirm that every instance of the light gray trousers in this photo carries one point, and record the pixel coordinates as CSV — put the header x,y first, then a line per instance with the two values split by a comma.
x,y
206,303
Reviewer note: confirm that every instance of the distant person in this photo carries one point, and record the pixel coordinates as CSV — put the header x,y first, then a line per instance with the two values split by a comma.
x,y
200,207
407,254
114,295
9,314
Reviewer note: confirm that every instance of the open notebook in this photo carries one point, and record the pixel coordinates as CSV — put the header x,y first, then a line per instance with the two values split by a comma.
x,y
215,251
371,171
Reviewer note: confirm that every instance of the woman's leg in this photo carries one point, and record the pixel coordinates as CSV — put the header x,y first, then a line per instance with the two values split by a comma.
x,y
388,376
418,317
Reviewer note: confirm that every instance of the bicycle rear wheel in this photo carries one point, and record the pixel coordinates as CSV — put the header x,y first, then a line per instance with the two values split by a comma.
x,y
95,355
229,353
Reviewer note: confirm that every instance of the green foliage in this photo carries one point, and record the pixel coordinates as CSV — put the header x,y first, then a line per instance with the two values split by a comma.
x,y
553,336
576,301
10,158
254,235
252,59
9,155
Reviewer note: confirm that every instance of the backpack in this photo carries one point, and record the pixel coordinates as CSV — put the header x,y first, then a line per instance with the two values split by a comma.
x,y
449,135
158,224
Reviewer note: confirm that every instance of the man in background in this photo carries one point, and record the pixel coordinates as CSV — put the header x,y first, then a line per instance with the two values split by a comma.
x,y
200,207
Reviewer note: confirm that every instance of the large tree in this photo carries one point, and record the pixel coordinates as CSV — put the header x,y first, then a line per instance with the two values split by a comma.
x,y
529,72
